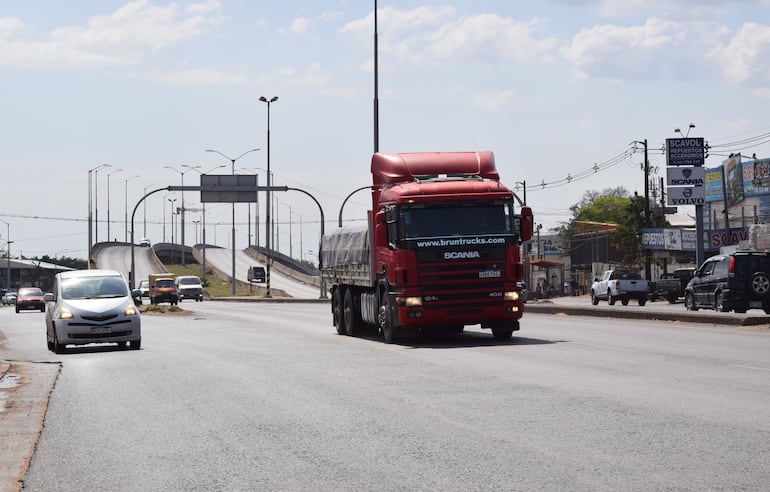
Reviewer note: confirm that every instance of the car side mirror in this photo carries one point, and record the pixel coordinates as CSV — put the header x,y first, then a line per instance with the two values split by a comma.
x,y
48,297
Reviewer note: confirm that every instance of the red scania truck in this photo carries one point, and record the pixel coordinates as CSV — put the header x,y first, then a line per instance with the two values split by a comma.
x,y
440,251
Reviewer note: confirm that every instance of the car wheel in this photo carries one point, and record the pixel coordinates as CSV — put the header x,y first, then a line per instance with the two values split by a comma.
x,y
59,348
671,299
42,309
760,284
689,302
719,303
136,344
594,299
610,298
642,301
624,301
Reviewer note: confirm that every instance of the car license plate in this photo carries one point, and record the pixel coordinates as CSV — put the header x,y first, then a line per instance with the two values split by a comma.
x,y
489,274
755,304
100,330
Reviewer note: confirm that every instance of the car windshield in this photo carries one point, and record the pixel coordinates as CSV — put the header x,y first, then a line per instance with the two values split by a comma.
x,y
93,287
30,292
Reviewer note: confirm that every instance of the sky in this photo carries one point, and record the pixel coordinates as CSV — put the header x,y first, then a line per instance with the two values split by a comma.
x,y
562,91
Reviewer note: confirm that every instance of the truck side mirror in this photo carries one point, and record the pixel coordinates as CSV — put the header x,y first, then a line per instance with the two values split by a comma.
x,y
526,224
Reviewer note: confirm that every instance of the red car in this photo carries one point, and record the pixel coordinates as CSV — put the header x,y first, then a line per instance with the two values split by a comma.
x,y
30,298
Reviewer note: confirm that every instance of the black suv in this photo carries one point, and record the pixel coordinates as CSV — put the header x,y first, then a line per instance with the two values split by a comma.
x,y
735,282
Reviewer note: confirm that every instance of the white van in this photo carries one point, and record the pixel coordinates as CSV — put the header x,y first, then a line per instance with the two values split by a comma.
x,y
189,287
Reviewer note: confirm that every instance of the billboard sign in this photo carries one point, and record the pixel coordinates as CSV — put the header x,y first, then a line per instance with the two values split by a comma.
x,y
686,176
686,195
685,151
222,188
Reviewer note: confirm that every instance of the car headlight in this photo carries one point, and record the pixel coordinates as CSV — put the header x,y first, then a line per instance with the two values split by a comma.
x,y
130,310
65,314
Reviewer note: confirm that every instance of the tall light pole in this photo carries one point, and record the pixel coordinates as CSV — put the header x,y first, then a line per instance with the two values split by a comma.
x,y
182,173
7,256
171,201
267,205
125,203
144,213
232,162
90,212
96,202
108,200
203,231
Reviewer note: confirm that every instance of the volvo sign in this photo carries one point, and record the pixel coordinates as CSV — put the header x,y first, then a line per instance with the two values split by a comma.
x,y
686,195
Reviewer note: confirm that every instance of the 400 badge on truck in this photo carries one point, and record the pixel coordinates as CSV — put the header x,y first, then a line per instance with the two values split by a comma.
x,y
441,249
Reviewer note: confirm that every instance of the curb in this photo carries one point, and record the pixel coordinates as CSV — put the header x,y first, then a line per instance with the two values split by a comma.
x,y
645,313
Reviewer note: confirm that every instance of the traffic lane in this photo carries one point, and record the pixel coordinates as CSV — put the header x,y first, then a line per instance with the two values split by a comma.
x,y
258,396
222,259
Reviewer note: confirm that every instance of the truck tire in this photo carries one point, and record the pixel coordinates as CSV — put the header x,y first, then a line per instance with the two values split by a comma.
x,y
624,301
337,312
502,332
643,301
760,284
385,319
610,298
351,315
671,298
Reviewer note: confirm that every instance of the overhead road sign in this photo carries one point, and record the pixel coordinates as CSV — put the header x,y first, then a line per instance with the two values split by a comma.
x,y
685,151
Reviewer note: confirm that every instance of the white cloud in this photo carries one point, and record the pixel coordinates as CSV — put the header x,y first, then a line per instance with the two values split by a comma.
x,y
428,33
118,38
656,49
300,25
746,58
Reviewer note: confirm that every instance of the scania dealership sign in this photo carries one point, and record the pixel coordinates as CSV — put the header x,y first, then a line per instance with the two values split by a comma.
x,y
685,151
686,176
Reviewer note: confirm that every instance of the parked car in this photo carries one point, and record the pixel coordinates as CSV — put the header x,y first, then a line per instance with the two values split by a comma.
x,y
736,282
30,298
9,298
189,287
144,288
619,284
92,306
671,286
145,243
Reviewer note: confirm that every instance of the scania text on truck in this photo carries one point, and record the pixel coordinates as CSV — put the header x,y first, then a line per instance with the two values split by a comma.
x,y
441,249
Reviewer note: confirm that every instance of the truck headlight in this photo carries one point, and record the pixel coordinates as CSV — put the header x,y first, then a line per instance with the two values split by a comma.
x,y
511,296
409,301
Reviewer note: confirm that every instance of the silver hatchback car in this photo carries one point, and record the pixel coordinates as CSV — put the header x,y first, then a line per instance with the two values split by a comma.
x,y
91,306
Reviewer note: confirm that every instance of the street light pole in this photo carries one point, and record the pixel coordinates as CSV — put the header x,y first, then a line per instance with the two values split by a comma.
x,y
144,213
125,199
232,163
267,205
203,226
182,173
7,256
96,202
171,201
108,200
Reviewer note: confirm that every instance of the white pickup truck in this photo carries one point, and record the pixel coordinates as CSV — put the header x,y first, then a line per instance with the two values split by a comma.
x,y
620,285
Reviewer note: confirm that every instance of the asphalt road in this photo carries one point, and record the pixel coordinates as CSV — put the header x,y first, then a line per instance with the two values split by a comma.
x,y
234,396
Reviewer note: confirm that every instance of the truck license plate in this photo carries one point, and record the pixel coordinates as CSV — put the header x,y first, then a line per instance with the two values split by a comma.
x,y
489,274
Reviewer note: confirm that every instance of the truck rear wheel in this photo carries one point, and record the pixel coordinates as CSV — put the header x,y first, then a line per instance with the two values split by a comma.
x,y
351,315
337,311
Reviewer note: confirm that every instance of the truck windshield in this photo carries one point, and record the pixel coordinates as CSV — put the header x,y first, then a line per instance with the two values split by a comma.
x,y
460,220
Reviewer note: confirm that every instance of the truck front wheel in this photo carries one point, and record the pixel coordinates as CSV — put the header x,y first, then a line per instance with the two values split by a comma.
x,y
503,332
385,320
